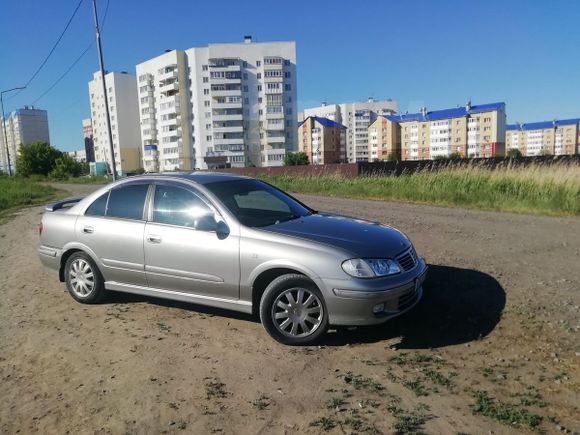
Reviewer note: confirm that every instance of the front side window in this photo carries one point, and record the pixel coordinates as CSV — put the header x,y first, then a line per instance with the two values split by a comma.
x,y
127,202
177,206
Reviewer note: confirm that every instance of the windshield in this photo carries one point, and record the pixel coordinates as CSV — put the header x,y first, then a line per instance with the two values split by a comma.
x,y
257,204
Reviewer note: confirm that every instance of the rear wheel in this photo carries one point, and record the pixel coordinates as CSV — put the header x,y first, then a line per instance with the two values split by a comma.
x,y
292,310
84,282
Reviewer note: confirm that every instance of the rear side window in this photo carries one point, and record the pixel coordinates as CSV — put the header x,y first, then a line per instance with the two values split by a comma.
x,y
127,202
99,206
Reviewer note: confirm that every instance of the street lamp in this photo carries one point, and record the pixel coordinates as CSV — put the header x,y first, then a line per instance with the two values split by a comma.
x,y
4,125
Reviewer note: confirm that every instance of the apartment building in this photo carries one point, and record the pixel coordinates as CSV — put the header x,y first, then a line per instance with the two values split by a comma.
x,y
88,139
384,139
323,140
23,126
356,117
557,137
470,131
229,103
124,117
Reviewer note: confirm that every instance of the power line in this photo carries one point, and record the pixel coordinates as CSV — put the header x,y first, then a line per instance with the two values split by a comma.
x,y
52,49
77,60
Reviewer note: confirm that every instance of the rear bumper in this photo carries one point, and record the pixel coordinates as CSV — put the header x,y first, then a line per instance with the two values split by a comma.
x,y
49,257
359,302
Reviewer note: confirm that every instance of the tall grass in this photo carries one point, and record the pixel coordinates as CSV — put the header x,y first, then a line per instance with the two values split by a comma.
x,y
537,189
17,192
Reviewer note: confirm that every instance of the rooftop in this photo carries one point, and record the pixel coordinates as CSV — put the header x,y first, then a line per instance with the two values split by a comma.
x,y
435,115
543,124
325,122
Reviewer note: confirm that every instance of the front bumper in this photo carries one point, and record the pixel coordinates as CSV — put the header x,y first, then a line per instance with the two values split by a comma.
x,y
351,301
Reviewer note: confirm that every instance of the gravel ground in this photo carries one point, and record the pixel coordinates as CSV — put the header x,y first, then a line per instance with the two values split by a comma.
x,y
500,320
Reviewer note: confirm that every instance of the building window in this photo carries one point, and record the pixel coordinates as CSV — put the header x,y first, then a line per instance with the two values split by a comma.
x,y
259,88
287,74
206,79
246,100
206,103
245,88
286,62
208,126
260,100
259,76
287,87
206,92
204,67
258,63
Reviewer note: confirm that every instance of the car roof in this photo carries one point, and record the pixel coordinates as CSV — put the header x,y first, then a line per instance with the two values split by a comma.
x,y
200,177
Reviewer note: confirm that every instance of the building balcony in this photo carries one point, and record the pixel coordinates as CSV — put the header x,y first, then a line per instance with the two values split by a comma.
x,y
226,93
225,81
276,139
218,67
275,115
216,105
228,129
172,86
168,75
275,127
228,141
274,91
221,117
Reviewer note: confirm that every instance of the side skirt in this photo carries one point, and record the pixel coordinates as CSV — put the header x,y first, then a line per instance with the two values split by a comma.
x,y
228,304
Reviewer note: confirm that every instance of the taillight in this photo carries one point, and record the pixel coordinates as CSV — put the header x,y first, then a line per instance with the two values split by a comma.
x,y
40,229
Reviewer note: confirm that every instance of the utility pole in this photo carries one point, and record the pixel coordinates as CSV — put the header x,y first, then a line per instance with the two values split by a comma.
x,y
101,65
4,126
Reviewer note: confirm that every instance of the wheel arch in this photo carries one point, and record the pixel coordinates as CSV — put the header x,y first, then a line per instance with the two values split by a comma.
x,y
70,250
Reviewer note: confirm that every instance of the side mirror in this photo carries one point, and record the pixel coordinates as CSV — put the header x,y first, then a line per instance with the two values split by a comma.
x,y
206,223
222,230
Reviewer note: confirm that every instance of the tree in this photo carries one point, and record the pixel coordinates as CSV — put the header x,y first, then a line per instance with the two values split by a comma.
x,y
65,167
392,157
36,158
514,153
295,159
455,156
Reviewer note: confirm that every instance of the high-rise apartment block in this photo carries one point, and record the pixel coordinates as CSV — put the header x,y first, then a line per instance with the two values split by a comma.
x,y
557,137
23,126
89,142
124,116
356,117
229,103
322,140
469,131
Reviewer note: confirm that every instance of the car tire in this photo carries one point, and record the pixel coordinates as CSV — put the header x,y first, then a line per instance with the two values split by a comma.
x,y
83,279
293,311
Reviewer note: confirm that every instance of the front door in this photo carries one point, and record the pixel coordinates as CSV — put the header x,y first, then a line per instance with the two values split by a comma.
x,y
183,253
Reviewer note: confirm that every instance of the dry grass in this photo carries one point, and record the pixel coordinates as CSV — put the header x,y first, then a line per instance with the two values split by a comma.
x,y
536,188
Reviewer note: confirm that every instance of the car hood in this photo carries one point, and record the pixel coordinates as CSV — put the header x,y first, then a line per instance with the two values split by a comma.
x,y
360,237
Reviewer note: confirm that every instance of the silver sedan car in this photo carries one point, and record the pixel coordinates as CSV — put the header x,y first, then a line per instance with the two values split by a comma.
x,y
232,242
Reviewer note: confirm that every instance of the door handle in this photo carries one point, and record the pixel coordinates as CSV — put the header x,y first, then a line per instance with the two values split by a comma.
x,y
152,238
88,230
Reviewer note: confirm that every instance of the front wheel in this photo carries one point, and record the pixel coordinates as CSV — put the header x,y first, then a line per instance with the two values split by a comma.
x,y
292,310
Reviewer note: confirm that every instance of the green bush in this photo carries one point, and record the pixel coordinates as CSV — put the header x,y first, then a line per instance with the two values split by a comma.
x,y
66,167
295,159
36,158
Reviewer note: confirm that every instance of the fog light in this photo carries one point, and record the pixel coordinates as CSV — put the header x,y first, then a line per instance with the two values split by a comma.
x,y
379,308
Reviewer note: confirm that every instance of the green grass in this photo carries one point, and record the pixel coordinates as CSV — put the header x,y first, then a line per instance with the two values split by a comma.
x,y
505,413
87,180
18,192
550,190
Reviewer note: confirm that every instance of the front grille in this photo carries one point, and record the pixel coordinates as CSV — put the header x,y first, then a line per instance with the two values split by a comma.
x,y
407,299
408,260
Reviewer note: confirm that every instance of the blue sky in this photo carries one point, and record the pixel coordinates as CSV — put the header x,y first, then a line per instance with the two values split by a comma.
x,y
432,53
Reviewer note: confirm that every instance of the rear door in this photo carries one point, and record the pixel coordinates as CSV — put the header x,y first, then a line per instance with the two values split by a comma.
x,y
181,252
113,227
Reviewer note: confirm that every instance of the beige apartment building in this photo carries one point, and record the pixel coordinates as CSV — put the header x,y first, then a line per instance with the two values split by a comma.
x,y
384,140
556,138
470,131
323,140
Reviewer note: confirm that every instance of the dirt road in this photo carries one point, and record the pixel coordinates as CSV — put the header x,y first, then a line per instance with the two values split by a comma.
x,y
495,339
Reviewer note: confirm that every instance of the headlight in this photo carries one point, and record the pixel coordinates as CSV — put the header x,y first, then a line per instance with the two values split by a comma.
x,y
370,268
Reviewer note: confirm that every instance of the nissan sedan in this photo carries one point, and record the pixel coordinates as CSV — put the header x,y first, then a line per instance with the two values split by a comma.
x,y
232,242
